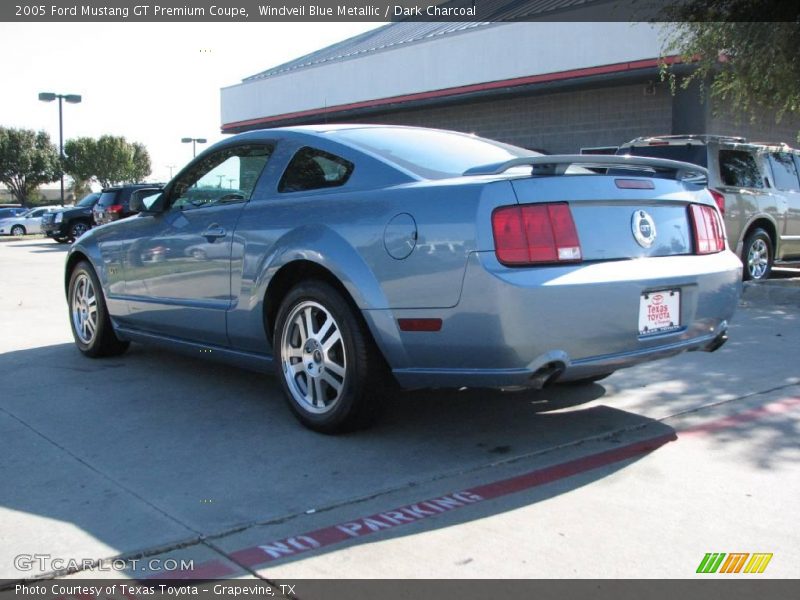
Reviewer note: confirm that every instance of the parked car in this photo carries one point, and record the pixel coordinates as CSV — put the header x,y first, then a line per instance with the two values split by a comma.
x,y
114,202
27,222
7,212
343,256
756,187
69,224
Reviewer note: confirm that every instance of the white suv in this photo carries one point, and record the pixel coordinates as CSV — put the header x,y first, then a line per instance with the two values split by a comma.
x,y
755,185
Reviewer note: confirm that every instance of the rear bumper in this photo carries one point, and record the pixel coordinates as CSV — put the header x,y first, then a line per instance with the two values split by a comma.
x,y
512,327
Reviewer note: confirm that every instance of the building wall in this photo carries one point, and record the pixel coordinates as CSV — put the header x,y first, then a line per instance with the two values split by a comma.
x,y
763,129
560,122
496,52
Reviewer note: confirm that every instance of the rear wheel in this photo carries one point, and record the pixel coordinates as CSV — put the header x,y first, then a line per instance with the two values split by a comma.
x,y
757,255
329,368
61,240
91,325
17,230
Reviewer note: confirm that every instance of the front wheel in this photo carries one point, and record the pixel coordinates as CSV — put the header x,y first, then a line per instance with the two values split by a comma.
x,y
91,325
78,229
329,368
757,255
17,230
61,240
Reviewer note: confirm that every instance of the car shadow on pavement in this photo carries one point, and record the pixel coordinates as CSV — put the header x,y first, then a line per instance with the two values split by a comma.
x,y
150,448
45,246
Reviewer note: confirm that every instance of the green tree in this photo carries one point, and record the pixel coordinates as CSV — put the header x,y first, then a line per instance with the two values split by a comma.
x,y
110,160
140,163
752,65
80,158
27,160
79,188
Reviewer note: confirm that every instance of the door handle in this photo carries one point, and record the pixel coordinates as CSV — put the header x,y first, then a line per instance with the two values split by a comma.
x,y
214,232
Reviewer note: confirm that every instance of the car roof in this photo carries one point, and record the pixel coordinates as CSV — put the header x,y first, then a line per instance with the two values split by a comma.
x,y
116,188
690,139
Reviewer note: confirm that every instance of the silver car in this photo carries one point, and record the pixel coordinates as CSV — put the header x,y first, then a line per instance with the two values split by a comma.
x,y
344,257
26,223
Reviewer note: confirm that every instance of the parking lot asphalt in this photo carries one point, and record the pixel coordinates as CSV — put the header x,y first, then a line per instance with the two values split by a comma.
x,y
157,455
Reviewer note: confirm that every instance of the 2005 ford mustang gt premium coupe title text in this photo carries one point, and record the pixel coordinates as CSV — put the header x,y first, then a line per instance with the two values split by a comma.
x,y
346,255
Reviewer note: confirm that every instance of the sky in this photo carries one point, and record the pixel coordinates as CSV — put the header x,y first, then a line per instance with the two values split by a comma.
x,y
153,83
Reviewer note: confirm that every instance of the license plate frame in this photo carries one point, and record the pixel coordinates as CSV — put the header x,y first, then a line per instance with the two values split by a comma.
x,y
659,312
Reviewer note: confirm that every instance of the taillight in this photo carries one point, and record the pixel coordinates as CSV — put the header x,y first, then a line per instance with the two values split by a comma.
x,y
719,198
708,234
535,233
115,208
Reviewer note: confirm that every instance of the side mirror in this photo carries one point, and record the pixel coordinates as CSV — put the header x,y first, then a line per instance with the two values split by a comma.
x,y
146,200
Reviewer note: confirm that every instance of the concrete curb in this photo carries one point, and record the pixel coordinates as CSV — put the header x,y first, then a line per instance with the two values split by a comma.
x,y
780,292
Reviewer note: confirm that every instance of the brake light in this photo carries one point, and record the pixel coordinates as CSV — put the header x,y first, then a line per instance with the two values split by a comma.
x,y
115,208
708,234
719,198
535,233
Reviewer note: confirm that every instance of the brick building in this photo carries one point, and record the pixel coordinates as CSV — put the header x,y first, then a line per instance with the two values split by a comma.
x,y
557,86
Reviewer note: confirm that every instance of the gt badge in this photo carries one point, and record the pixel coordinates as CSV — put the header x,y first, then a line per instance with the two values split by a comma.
x,y
644,228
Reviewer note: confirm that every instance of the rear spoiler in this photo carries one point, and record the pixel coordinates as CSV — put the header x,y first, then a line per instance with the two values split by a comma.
x,y
557,164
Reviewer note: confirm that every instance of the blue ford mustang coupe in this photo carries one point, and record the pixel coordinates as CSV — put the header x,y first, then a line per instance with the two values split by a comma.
x,y
345,256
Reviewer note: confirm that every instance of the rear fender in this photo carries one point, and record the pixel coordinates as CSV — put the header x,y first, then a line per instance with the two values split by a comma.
x,y
322,246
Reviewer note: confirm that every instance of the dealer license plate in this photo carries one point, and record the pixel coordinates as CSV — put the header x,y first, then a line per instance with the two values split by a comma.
x,y
659,312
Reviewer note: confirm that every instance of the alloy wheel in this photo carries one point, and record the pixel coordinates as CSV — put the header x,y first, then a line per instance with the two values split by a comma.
x,y
84,308
758,258
313,357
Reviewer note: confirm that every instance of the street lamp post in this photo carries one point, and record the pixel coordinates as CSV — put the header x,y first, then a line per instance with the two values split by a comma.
x,y
194,142
72,99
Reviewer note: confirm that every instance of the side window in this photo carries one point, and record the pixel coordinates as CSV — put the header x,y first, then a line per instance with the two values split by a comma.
x,y
229,175
312,169
784,170
738,168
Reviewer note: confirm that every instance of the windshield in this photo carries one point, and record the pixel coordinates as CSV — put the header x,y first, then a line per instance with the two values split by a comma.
x,y
430,153
88,200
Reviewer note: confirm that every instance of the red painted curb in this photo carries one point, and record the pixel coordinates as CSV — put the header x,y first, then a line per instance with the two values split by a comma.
x,y
262,554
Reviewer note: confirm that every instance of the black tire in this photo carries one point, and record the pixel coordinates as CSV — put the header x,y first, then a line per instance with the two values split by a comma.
x,y
589,380
17,230
78,228
100,340
307,364
62,240
757,255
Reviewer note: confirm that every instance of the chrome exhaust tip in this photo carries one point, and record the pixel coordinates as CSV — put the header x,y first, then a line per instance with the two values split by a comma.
x,y
546,375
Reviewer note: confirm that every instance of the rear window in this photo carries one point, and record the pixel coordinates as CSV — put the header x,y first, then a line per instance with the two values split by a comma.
x,y
429,153
108,198
690,153
784,171
738,168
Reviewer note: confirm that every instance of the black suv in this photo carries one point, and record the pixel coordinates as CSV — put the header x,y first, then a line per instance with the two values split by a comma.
x,y
114,202
69,224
